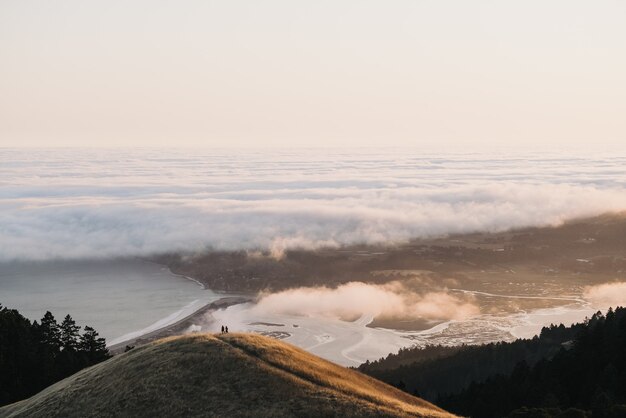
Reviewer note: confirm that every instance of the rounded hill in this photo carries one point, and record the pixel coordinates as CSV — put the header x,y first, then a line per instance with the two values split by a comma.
x,y
230,375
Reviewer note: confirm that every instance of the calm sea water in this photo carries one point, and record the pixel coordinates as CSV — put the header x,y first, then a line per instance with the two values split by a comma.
x,y
115,297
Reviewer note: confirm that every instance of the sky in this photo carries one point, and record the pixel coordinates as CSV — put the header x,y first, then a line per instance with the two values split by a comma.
x,y
318,73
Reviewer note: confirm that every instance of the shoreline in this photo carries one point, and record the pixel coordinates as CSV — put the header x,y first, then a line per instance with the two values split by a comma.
x,y
196,281
180,326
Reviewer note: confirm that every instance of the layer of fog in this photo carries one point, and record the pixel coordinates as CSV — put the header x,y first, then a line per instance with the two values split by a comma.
x,y
355,299
405,301
607,295
106,203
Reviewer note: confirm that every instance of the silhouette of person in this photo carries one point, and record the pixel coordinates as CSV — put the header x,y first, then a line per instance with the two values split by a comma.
x,y
222,329
226,329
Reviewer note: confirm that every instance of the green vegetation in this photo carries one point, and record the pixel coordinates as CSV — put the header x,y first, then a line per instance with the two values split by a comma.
x,y
579,371
234,375
433,371
590,376
35,355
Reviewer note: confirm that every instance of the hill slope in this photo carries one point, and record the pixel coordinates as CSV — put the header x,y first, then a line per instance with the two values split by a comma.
x,y
577,371
235,375
435,371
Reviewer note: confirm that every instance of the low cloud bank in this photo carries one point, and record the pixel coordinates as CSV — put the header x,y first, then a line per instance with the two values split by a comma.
x,y
606,295
75,204
354,299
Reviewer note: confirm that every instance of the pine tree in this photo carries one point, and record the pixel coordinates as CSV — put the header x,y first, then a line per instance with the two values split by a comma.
x,y
50,333
31,357
69,334
94,346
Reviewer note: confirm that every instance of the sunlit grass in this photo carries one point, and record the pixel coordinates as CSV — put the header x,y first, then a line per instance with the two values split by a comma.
x,y
235,375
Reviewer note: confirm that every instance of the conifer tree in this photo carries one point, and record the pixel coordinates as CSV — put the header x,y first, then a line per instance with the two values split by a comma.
x,y
31,357
50,333
69,334
94,346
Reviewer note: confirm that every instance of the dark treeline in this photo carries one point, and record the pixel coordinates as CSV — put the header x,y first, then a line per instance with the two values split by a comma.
x,y
433,371
408,357
584,379
577,371
35,355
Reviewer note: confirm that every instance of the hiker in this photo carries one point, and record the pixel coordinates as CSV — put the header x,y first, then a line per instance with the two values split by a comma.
x,y
222,329
226,328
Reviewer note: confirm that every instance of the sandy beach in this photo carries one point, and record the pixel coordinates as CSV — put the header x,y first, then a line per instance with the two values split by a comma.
x,y
182,326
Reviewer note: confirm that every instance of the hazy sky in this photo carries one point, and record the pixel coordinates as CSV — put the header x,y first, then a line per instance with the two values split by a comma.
x,y
352,72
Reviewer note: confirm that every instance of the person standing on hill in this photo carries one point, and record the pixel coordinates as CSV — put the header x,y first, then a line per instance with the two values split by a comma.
x,y
226,329
222,329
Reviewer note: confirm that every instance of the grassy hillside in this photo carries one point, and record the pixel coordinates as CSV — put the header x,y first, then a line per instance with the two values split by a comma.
x,y
235,375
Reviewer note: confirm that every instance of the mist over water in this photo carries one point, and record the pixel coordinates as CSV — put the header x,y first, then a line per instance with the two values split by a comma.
x,y
75,203
355,299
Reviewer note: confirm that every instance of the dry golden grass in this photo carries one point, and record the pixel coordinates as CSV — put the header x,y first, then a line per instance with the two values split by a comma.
x,y
313,369
234,375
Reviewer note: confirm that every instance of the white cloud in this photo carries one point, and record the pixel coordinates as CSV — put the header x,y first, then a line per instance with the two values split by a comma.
x,y
606,295
354,299
99,203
